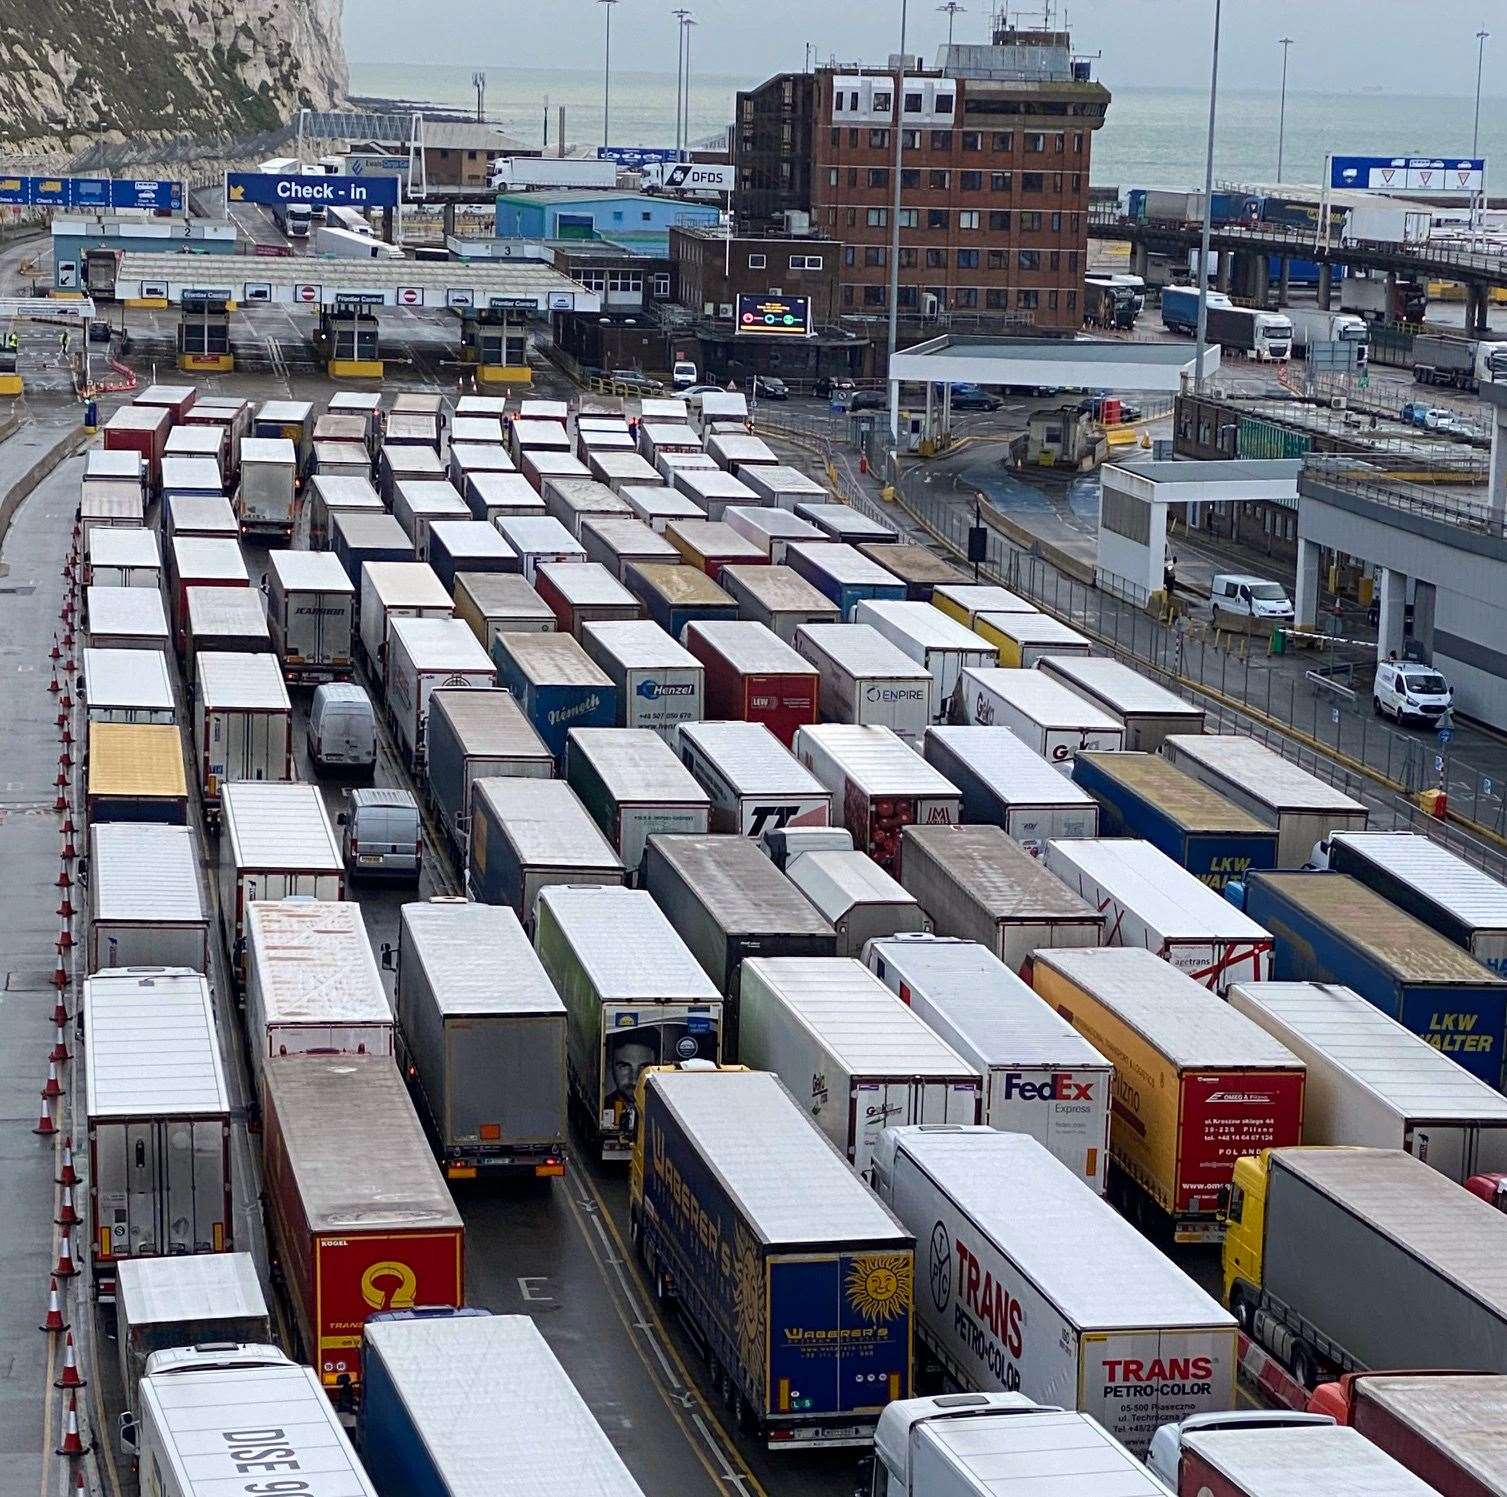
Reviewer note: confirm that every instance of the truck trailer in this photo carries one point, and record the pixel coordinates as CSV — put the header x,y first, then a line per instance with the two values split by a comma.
x,y
752,675
943,647
777,598
866,681
243,723
556,683
659,684
1050,718
145,908
311,612
860,901
424,655
1277,1462
755,783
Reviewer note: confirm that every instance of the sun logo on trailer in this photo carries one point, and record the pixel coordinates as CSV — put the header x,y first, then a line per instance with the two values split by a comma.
x,y
879,1285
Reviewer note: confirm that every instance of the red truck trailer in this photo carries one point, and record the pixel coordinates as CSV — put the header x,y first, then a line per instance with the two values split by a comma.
x,y
753,676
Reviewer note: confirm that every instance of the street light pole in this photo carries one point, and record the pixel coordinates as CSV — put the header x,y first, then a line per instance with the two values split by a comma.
x,y
680,16
1208,224
685,129
953,9
1475,134
1284,42
894,331
607,69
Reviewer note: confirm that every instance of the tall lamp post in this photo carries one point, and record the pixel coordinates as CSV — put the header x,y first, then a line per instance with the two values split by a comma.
x,y
1208,224
680,16
953,10
607,70
685,129
1475,134
1284,42
894,289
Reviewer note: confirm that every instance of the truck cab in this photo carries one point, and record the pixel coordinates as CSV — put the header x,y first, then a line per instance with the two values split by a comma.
x,y
1244,1218
1490,1188
1166,1453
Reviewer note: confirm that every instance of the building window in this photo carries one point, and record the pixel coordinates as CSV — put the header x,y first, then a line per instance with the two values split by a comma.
x,y
852,217
913,103
936,259
853,100
938,181
968,259
941,140
1057,182
944,105
883,103
936,218
972,182
909,218
853,134
1026,300
999,220
1072,262
999,181
878,217
852,176
966,297
878,139
805,262
1052,300
1077,142
997,259
849,255
879,176
873,296
972,140
1059,141
968,218
847,296
1036,143
910,176
839,98
1029,259
907,297
617,217
911,139
997,301
1072,301
1004,140
1077,182
1054,261
873,255
1032,182
836,139
756,262
1056,223
1030,221
831,176
661,283
648,218
907,258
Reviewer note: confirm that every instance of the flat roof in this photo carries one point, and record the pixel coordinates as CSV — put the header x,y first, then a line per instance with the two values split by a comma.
x,y
1093,363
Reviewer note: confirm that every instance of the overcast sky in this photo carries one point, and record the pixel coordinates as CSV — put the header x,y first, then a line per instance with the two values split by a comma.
x,y
1341,45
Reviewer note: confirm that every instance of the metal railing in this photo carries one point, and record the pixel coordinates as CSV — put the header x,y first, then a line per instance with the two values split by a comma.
x,y
1369,479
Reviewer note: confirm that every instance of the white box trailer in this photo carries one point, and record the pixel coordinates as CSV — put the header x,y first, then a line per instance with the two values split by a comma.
x,y
659,683
332,494
658,505
493,495
397,463
418,503
1043,713
719,405
784,487
145,905
850,1052
1374,1084
1149,713
224,618
396,590
1147,900
617,541
275,841
157,1111
655,438
422,655
1024,638
713,489
738,450
1063,1299
128,686
1041,1077
1007,783
670,462
755,783
778,598
856,897
311,604
312,984
769,528
539,539
125,618
1277,793
622,470
943,647
123,556
865,680
570,500
243,721
264,496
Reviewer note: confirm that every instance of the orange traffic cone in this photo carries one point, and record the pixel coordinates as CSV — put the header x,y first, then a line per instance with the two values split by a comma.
x,y
60,1050
65,910
65,940
53,686
45,1126
67,1268
54,653
54,1322
52,1089
67,1215
64,879
60,1009
69,1377
60,975
67,1175
73,1442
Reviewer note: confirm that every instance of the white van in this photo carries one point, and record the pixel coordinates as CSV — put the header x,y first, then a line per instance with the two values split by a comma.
x,y
683,375
1258,599
380,834
342,728
1404,689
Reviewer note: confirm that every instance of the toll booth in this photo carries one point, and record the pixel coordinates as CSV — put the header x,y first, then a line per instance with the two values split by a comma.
x,y
204,332
347,337
499,341
10,378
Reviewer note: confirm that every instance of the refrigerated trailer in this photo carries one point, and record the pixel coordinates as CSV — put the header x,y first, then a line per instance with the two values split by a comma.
x,y
423,655
866,680
1043,713
145,908
1148,713
755,783
754,676
940,645
855,896
659,683
243,723
122,556
843,574
777,598
617,540
128,686
393,590
770,529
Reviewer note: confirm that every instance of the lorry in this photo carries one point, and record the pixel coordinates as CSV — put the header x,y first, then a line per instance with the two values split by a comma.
x,y
557,684
841,522
1142,795
481,1039
621,470
453,1397
582,591
1371,1082
1006,783
955,1444
728,902
311,604
145,908
1278,1462
843,573
656,504
1147,712
1312,325
1048,717
140,429
1041,1077
855,896
710,545
675,595
1301,806
944,648
350,1237
1264,336
920,569
754,676
755,783
538,539
1197,1086
494,603
264,497
526,834
1464,363
616,540
243,723
770,528
1180,307
197,561
467,546
777,598
407,462
128,686
396,590
1381,1217
1024,639
423,655
634,996
312,984
783,487
810,1360
1331,928
134,772
977,883
1432,884
634,787
867,681
189,1428
473,735
1107,305
1384,298
881,784
357,537
570,500
525,173
120,556
162,1303
1067,1302
158,1117
658,683
225,618
850,1052
418,503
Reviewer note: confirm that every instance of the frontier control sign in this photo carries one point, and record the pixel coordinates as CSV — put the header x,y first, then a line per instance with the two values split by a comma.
x,y
271,189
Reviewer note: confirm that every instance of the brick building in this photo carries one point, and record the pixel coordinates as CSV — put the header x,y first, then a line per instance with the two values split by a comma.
x,y
710,273
996,151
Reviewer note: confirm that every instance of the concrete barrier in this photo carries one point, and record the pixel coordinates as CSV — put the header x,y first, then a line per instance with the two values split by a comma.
x,y
67,444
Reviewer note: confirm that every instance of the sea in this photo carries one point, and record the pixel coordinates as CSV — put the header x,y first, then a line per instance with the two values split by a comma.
x,y
1151,136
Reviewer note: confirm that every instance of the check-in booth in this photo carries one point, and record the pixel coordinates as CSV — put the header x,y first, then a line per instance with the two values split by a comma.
x,y
204,332
347,336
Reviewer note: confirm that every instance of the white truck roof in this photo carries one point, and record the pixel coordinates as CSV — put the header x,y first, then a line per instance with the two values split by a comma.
x,y
147,872
201,558
127,678
586,584
920,622
1011,768
836,881
636,765
440,644
639,644
125,611
751,758
226,611
201,474
405,584
1302,1460
1034,628
547,824
844,563
193,1287
232,680
875,759
750,648
274,826
1260,771
1040,698
314,963
123,546
1441,875
1116,685
310,572
861,651
478,959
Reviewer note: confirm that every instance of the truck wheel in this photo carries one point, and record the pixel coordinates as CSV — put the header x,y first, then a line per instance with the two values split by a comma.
x,y
1303,1366
1242,1309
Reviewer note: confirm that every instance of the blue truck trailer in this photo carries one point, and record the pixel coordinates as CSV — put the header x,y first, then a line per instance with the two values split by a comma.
x,y
1330,927
464,1401
843,574
1142,795
558,685
674,595
793,1276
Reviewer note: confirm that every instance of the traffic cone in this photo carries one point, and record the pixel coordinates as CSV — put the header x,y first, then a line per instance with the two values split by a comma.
x,y
65,940
55,653
60,1009
62,721
60,1046
52,1089
69,1377
45,1126
73,1442
60,977
67,1175
69,851
66,1267
64,879
67,1213
53,686
65,910
53,1321
60,800
82,1486
67,727
65,760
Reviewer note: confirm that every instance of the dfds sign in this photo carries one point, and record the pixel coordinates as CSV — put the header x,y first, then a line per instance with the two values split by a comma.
x,y
315,192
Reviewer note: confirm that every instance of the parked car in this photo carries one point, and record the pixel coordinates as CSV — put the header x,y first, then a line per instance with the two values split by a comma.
x,y
1257,598
342,730
974,398
769,387
695,390
826,387
636,380
865,400
1404,689
683,375
380,835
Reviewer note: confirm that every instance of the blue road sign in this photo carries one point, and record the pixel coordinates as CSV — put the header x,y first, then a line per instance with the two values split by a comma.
x,y
90,192
632,156
1462,174
271,188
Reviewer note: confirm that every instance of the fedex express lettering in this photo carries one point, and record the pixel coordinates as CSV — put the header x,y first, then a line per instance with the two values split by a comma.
x,y
1454,1034
1059,1088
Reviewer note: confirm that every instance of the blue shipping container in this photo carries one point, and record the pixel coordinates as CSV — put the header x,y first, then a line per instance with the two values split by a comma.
x,y
557,684
1331,928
